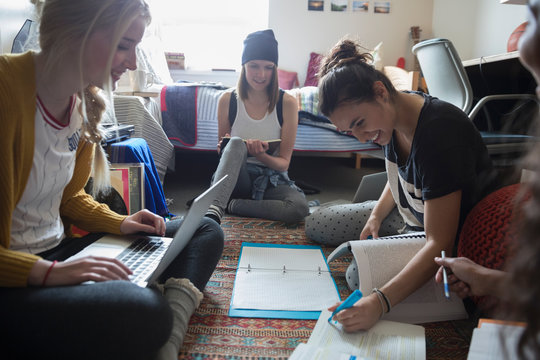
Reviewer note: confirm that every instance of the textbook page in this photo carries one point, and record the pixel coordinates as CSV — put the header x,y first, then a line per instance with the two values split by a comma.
x,y
379,260
282,278
494,341
385,340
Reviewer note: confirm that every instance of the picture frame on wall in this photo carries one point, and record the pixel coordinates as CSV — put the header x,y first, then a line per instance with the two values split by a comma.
x,y
315,5
360,6
339,5
381,7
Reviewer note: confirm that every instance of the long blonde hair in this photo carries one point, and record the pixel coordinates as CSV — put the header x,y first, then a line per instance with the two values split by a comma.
x,y
66,23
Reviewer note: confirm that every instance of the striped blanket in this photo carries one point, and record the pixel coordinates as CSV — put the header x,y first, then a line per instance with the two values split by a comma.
x,y
181,111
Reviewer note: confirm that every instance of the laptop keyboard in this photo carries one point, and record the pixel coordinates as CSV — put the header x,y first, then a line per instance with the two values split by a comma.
x,y
141,257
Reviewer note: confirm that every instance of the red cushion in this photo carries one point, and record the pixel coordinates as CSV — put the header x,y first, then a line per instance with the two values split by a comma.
x,y
487,233
287,79
313,69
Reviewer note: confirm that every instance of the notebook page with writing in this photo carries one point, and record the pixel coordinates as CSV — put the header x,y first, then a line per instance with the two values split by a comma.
x,y
385,340
262,283
379,260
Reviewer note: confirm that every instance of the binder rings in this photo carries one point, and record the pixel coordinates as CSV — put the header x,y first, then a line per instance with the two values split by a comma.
x,y
282,281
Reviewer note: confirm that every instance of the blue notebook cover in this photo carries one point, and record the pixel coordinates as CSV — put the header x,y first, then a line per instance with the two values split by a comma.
x,y
277,314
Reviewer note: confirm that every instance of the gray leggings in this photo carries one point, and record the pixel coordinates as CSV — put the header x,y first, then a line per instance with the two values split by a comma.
x,y
333,225
281,203
336,224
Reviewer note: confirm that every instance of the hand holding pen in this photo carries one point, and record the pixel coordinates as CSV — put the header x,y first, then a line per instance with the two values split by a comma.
x,y
445,277
349,302
467,278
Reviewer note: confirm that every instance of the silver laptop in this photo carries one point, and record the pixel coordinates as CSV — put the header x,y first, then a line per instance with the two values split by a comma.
x,y
149,256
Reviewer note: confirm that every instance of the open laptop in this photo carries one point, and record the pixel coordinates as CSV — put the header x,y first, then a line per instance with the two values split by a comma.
x,y
148,256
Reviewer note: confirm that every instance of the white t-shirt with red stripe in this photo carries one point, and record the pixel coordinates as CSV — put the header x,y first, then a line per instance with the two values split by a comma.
x,y
36,225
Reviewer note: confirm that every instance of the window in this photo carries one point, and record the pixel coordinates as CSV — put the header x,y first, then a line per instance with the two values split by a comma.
x,y
208,32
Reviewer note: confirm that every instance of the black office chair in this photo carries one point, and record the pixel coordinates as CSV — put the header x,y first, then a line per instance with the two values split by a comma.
x,y
446,79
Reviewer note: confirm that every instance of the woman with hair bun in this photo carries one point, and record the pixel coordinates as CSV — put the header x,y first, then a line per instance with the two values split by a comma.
x,y
437,166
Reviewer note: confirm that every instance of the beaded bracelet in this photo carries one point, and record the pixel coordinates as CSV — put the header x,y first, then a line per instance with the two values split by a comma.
x,y
381,301
48,272
388,305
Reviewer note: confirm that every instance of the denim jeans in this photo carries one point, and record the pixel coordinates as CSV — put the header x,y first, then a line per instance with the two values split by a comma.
x,y
105,320
282,201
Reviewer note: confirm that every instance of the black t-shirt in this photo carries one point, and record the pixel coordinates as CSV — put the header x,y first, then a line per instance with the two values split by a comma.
x,y
447,155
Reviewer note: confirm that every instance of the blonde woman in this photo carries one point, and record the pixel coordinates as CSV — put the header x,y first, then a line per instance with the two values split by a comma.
x,y
50,116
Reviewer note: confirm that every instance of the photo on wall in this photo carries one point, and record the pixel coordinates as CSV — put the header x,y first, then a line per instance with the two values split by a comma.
x,y
339,5
360,6
381,7
316,5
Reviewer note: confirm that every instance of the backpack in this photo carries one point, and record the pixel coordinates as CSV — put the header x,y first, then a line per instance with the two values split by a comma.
x,y
232,107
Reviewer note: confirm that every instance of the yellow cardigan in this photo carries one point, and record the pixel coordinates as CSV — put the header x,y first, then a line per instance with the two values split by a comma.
x,y
17,114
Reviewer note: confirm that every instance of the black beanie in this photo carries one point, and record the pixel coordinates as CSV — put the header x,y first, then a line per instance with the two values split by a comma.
x,y
260,45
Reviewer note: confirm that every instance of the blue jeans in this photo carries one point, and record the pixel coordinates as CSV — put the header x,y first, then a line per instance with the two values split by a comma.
x,y
107,320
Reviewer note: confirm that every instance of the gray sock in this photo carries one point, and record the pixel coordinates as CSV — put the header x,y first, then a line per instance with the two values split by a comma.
x,y
215,212
183,298
230,206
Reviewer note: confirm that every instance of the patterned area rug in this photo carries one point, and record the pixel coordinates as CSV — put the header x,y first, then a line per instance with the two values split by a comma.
x,y
212,334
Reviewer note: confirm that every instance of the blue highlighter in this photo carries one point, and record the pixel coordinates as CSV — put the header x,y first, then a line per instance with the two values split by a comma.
x,y
349,302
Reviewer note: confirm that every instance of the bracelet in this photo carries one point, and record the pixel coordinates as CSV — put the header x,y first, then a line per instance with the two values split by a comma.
x,y
379,296
388,305
48,272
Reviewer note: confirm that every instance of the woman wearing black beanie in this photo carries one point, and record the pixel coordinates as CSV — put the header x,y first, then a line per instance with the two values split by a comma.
x,y
250,115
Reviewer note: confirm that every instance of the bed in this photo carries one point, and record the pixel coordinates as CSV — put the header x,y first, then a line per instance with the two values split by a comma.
x,y
184,117
192,121
187,121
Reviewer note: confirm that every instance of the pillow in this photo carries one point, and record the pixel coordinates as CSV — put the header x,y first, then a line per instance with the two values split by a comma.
x,y
377,54
313,69
287,79
400,78
488,234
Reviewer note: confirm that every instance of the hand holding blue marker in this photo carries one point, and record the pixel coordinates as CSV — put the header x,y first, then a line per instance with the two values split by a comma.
x,y
445,278
349,302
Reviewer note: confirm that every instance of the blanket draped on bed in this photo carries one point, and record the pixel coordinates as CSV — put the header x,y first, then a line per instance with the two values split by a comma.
x,y
179,113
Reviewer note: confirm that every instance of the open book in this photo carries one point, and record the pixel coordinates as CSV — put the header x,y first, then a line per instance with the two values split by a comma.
x,y
379,260
385,340
273,144
497,339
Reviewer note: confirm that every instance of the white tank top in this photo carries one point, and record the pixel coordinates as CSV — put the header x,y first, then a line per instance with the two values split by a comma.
x,y
36,225
246,127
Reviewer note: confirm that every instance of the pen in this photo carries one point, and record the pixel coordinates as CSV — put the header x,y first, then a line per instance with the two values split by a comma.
x,y
445,278
349,302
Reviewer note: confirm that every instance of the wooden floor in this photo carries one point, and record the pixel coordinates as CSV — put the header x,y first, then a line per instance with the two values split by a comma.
x,y
335,177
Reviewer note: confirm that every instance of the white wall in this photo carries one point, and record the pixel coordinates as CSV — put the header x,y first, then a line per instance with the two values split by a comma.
x,y
300,32
12,16
478,27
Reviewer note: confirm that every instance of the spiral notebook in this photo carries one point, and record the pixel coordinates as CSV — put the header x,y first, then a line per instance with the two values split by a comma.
x,y
282,281
379,260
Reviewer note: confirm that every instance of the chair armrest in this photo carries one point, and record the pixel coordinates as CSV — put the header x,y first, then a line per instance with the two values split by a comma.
x,y
485,99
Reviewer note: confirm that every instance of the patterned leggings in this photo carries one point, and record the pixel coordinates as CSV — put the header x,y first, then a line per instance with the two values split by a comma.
x,y
335,224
